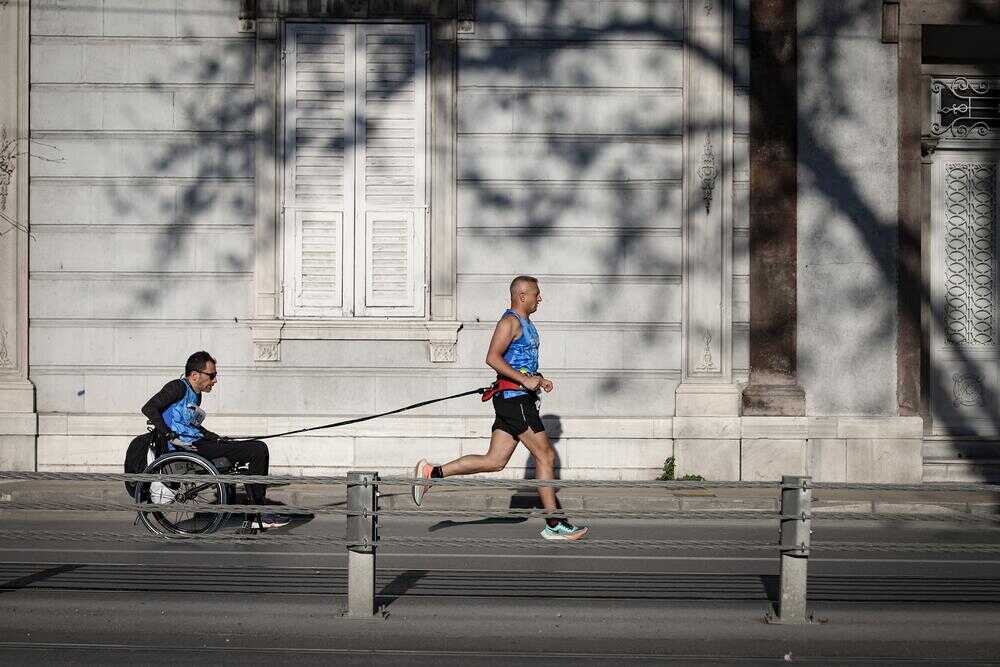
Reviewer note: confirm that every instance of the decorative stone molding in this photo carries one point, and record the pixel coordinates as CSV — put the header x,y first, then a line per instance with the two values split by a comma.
x,y
266,351
441,336
707,364
443,351
8,165
928,145
708,172
463,10
5,359
267,340
967,390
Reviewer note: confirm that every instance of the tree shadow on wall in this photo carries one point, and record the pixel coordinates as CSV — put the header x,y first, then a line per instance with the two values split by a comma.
x,y
568,174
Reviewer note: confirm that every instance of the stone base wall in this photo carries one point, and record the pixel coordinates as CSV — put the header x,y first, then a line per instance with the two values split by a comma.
x,y
835,449
18,435
829,449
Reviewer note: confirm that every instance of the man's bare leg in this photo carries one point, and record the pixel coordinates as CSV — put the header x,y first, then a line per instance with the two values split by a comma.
x,y
502,445
545,464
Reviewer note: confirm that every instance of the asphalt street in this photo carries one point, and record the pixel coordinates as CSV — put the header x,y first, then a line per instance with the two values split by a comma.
x,y
469,601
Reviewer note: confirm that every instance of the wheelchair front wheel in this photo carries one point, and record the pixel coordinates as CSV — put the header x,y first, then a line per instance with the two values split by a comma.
x,y
181,500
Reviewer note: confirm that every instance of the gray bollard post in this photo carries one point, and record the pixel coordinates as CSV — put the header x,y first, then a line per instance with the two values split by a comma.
x,y
796,527
362,542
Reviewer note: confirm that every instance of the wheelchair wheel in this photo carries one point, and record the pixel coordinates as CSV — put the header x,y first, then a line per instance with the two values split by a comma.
x,y
181,500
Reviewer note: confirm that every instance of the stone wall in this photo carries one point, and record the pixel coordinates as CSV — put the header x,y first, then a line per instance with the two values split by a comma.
x,y
571,156
847,239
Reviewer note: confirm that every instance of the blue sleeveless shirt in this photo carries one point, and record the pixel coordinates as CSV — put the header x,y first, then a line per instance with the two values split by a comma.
x,y
523,351
185,416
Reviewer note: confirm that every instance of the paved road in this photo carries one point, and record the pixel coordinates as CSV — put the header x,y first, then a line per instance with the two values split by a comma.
x,y
94,602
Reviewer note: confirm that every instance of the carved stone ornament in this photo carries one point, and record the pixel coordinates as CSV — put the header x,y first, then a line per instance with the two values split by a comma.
x,y
5,360
708,172
707,363
970,210
928,145
267,350
708,7
8,163
968,390
443,351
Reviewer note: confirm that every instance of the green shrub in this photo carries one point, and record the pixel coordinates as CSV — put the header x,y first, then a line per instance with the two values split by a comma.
x,y
668,473
668,470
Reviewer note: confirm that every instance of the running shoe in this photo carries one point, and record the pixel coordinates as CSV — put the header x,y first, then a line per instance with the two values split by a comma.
x,y
423,471
274,520
564,531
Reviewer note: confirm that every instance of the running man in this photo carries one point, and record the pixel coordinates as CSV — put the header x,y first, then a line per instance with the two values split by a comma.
x,y
513,354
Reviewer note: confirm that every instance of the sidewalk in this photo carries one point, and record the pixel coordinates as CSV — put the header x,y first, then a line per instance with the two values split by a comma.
x,y
608,499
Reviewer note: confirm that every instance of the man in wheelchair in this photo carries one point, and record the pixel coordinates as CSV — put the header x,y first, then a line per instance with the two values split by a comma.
x,y
175,412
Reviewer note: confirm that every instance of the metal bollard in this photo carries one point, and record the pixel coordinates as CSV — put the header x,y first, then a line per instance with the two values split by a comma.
x,y
362,542
796,527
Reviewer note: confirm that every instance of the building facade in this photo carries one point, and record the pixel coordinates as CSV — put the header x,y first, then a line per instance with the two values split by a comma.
x,y
746,217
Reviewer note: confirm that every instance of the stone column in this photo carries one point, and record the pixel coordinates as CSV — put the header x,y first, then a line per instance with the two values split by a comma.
x,y
265,329
18,420
773,389
443,213
707,387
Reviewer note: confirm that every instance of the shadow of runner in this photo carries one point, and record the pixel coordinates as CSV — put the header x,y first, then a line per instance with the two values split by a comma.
x,y
447,523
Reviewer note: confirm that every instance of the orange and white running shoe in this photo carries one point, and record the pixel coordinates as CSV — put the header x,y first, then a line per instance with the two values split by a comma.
x,y
423,470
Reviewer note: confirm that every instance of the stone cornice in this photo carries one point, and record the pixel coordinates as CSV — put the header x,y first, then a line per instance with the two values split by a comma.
x,y
462,10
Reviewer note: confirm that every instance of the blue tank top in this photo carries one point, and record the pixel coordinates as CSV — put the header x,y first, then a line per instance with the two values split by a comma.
x,y
522,353
185,416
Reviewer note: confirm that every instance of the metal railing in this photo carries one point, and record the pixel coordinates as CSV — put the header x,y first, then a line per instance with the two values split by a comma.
x,y
363,537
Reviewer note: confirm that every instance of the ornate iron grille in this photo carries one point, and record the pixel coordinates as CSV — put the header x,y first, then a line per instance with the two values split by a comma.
x,y
965,107
970,252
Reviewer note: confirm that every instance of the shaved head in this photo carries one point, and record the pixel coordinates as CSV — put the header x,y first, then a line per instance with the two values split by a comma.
x,y
522,284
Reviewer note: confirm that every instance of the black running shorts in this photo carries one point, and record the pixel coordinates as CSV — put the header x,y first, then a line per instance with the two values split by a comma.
x,y
516,415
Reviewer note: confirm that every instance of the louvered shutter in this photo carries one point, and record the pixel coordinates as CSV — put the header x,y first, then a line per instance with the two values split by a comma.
x,y
319,170
390,166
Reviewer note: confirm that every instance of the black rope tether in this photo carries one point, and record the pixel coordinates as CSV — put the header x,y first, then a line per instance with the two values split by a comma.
x,y
346,422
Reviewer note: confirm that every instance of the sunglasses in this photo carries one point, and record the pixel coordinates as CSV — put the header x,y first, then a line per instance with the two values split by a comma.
x,y
211,376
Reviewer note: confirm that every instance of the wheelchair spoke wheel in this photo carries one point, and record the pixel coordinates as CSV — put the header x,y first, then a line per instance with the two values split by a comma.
x,y
183,502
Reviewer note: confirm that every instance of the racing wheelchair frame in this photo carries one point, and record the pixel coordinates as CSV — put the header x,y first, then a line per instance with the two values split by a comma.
x,y
181,499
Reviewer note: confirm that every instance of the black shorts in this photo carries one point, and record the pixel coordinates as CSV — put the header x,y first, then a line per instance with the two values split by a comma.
x,y
516,415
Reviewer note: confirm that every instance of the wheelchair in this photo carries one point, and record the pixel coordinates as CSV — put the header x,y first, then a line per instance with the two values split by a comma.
x,y
182,500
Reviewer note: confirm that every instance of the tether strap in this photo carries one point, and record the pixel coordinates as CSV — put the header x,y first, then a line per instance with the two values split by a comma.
x,y
347,422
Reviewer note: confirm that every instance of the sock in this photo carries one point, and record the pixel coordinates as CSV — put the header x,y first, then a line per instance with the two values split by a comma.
x,y
552,523
436,472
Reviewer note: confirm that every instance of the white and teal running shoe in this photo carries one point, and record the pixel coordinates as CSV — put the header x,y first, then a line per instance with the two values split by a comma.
x,y
564,531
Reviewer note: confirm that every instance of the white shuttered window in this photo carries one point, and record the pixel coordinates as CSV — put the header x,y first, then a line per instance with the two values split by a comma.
x,y
354,179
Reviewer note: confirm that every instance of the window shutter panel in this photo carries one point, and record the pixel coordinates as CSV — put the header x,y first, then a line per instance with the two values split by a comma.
x,y
391,159
319,170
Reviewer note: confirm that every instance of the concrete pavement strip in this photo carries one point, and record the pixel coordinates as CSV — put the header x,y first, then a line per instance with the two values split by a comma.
x,y
608,499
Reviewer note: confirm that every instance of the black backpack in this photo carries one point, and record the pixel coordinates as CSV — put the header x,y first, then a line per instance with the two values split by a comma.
x,y
137,455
